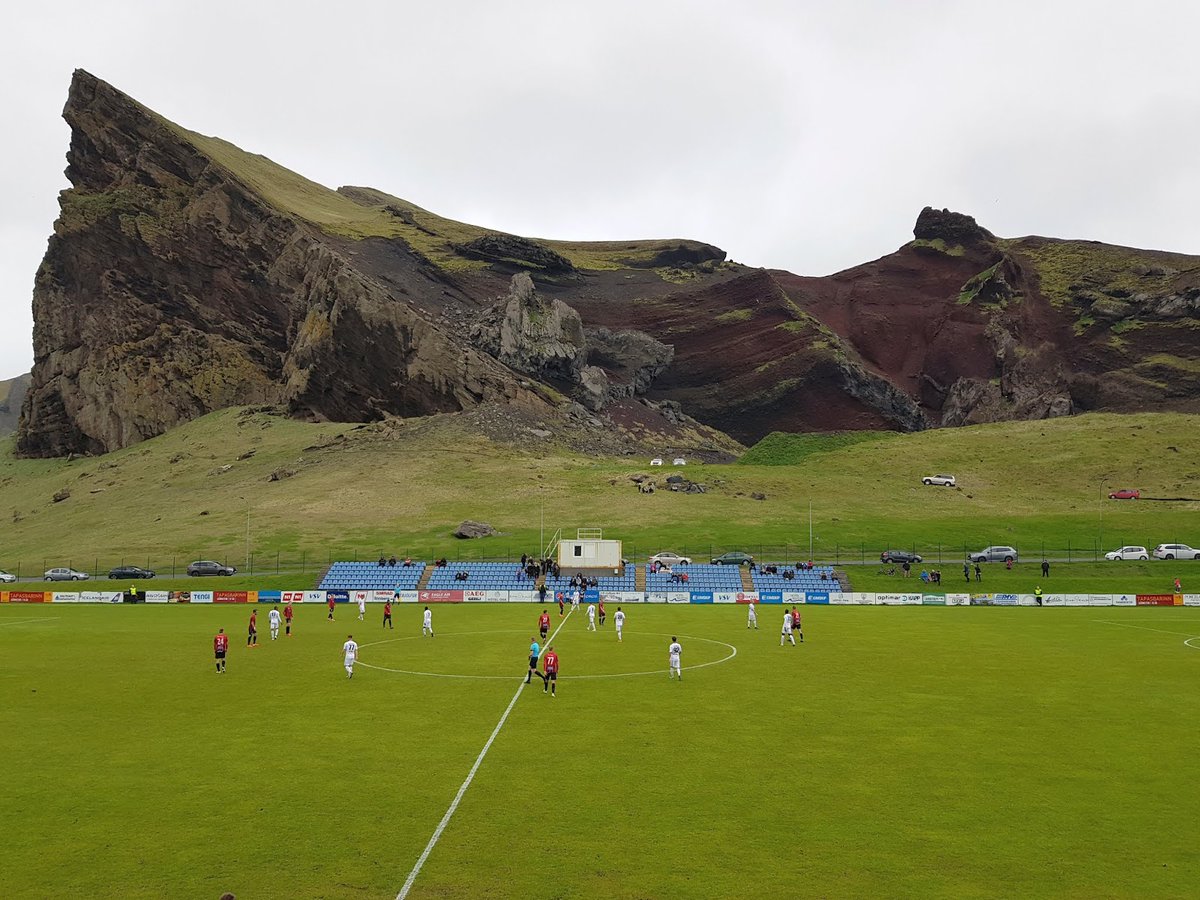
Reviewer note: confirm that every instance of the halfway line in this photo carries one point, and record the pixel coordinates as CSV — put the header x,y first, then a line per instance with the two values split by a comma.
x,y
437,834
1186,634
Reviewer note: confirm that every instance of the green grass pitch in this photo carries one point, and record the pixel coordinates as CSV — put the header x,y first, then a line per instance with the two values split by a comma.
x,y
924,752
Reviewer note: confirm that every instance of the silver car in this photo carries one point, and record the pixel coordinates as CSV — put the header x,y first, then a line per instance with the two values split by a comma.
x,y
65,575
7,578
995,554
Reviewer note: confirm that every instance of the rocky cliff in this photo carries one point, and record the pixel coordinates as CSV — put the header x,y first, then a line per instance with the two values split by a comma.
x,y
185,275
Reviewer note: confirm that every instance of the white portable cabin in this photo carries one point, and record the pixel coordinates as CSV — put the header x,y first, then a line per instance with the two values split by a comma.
x,y
589,550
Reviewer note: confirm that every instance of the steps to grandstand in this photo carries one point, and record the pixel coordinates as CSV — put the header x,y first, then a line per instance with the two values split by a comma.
x,y
747,581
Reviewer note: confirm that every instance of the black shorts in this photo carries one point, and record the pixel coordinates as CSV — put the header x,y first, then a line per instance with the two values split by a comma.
x,y
552,676
533,662
220,654
544,629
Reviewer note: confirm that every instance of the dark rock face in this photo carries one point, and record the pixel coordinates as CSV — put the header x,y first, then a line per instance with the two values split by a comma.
x,y
517,251
535,334
170,289
952,227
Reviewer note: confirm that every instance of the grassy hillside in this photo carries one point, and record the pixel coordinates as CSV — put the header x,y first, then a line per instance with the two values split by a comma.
x,y
362,490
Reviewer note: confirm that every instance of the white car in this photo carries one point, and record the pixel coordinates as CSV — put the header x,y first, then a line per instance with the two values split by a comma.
x,y
1128,553
657,461
1176,551
670,559
7,578
679,461
944,480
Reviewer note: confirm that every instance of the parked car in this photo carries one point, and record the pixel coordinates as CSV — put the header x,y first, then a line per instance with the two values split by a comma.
x,y
899,556
208,567
667,558
1125,494
679,461
733,558
7,578
657,461
65,575
130,572
946,480
994,554
1175,551
1128,553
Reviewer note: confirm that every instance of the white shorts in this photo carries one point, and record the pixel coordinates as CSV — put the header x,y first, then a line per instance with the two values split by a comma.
x,y
674,662
349,662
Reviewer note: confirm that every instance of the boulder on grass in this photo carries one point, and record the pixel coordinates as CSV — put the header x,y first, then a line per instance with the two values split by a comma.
x,y
469,529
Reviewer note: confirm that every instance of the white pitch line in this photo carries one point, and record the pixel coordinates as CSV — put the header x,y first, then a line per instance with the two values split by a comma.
x,y
27,621
1186,634
437,834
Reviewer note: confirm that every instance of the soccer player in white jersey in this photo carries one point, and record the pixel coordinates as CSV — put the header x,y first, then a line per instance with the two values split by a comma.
x,y
274,618
362,607
427,623
752,621
673,657
786,634
591,617
575,598
350,654
619,621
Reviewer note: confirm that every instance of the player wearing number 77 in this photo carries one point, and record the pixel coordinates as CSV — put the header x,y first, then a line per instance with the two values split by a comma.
x,y
673,653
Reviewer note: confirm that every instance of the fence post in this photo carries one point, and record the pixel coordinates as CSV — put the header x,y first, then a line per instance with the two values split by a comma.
x,y
1068,550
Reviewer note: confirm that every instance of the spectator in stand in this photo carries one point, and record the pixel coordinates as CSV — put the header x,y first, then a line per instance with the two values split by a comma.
x,y
524,560
789,575
383,561
684,577
392,560
408,561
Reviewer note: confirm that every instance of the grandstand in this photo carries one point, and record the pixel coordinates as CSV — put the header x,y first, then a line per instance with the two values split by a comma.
x,y
809,580
627,581
481,576
370,576
701,577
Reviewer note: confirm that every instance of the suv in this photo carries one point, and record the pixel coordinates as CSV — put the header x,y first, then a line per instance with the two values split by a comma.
x,y
129,572
899,556
994,554
667,558
947,480
65,575
1128,553
1175,551
208,567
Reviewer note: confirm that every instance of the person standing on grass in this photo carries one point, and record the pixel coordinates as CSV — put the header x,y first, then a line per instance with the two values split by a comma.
x,y
542,591
575,598
619,622
674,667
535,651
387,614
967,573
752,619
1178,587
796,624
252,635
287,619
550,679
331,605
600,610
561,608
220,648
362,606
1037,595
1045,568
349,655
427,623
978,573
591,617
786,634
544,624
273,619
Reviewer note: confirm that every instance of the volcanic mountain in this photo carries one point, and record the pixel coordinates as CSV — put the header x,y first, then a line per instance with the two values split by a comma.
x,y
186,275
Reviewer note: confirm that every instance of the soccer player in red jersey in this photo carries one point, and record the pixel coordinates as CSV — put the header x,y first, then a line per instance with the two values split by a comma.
x,y
560,603
544,624
600,610
330,616
252,635
220,646
796,623
387,614
550,663
287,619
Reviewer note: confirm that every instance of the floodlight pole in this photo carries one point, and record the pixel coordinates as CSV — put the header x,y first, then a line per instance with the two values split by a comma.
x,y
810,534
542,527
1101,537
247,499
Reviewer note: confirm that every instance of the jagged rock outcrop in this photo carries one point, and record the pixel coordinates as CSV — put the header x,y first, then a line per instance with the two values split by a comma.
x,y
951,227
511,250
171,288
535,334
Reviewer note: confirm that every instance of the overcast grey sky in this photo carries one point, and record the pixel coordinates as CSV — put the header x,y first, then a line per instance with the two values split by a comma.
x,y
797,135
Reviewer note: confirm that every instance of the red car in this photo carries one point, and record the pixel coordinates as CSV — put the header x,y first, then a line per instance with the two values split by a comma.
x,y
1125,494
